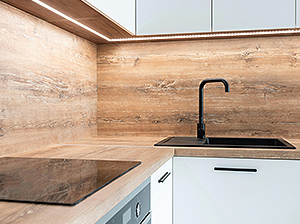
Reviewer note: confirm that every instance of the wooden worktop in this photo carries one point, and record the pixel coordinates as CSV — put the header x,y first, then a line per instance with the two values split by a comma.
x,y
293,154
122,148
94,207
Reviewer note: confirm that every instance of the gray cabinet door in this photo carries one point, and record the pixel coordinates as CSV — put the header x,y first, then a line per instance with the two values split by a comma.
x,y
172,16
298,13
121,11
231,15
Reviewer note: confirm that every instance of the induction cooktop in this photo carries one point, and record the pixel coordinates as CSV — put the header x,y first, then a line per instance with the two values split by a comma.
x,y
57,181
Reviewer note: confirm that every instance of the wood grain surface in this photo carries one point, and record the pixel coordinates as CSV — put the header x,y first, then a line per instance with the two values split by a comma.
x,y
94,207
242,153
139,141
151,89
48,83
78,10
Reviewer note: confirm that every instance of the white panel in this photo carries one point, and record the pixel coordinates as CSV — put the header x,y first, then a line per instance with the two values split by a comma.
x,y
271,195
297,13
253,14
161,195
172,16
122,11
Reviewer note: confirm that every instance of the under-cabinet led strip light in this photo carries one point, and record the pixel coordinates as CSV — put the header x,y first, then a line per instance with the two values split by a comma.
x,y
178,37
70,19
198,36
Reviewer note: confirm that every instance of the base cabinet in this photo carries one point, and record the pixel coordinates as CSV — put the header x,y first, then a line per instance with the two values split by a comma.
x,y
235,191
161,194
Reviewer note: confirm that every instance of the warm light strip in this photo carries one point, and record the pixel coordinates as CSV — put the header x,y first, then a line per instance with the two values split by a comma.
x,y
237,34
178,37
70,19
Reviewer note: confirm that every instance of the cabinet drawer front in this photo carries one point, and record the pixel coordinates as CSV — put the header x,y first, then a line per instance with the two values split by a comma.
x,y
161,194
160,180
239,191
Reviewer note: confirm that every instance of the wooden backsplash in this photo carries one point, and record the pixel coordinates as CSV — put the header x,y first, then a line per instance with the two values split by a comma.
x,y
152,88
48,83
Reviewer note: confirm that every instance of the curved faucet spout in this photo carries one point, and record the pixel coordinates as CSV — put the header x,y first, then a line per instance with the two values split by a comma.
x,y
202,84
201,125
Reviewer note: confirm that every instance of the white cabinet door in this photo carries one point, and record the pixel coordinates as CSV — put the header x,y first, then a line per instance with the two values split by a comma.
x,y
172,16
204,195
161,194
121,11
253,14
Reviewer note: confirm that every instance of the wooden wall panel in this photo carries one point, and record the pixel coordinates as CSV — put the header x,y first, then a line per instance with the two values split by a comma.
x,y
48,83
152,88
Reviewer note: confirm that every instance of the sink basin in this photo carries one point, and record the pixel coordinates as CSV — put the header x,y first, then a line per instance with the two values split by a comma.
x,y
224,142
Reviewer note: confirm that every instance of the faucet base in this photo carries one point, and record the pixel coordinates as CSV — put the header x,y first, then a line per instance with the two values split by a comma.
x,y
201,130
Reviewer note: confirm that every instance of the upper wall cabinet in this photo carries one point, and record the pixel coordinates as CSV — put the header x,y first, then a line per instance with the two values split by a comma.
x,y
230,15
298,14
172,16
121,11
151,17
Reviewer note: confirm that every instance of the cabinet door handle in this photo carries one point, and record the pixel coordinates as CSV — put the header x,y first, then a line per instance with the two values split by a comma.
x,y
233,169
147,219
164,177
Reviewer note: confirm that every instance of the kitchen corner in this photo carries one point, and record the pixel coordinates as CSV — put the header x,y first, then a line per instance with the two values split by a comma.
x,y
97,84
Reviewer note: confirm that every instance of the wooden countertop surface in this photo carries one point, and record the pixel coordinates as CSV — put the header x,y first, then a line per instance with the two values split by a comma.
x,y
94,207
122,148
293,154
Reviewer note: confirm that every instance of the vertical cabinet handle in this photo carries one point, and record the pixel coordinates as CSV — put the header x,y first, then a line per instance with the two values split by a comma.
x,y
164,177
233,169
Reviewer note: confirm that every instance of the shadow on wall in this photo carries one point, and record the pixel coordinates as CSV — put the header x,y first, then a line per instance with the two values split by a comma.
x,y
48,83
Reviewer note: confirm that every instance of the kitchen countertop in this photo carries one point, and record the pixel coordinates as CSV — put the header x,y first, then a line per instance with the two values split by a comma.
x,y
252,153
98,204
118,148
293,154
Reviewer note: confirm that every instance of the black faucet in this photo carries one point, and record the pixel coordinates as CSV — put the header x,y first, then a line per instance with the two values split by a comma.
x,y
201,125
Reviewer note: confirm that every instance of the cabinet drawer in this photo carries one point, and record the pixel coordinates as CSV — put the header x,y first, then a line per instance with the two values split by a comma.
x,y
161,194
221,190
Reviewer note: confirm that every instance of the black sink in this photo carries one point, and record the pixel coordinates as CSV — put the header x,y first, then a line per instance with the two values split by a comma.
x,y
224,142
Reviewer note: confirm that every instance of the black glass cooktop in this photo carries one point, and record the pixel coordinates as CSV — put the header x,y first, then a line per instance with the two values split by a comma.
x,y
56,181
